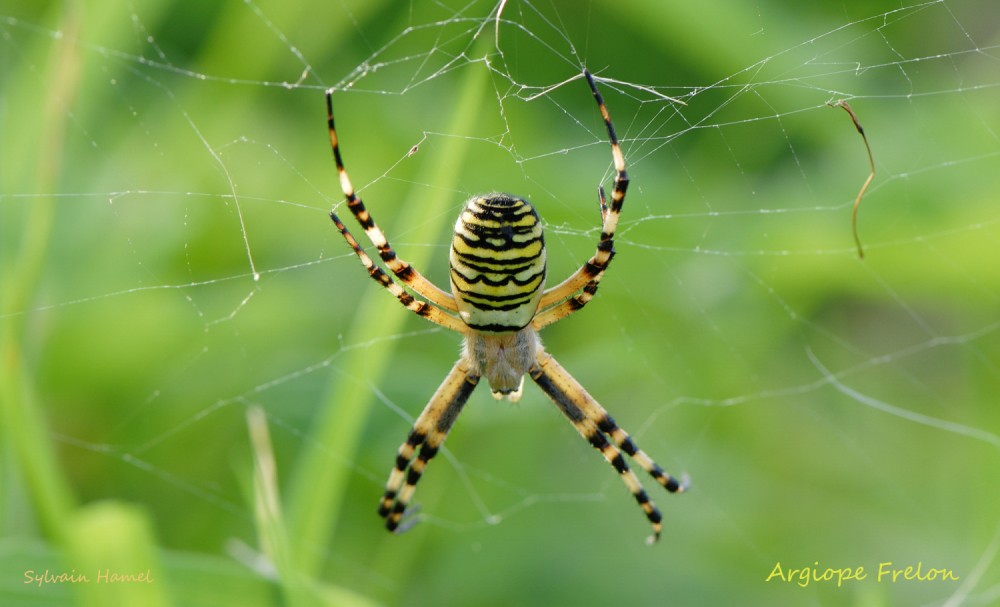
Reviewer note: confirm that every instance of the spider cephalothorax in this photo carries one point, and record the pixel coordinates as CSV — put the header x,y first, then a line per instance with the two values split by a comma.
x,y
498,302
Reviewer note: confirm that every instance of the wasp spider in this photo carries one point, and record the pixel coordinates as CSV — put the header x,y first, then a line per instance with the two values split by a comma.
x,y
498,303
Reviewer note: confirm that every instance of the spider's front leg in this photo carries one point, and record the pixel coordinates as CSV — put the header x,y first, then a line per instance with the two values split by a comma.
x,y
428,434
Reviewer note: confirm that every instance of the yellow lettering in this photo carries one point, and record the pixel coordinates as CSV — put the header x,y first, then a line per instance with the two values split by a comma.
x,y
911,573
774,572
860,573
887,572
904,572
945,574
803,576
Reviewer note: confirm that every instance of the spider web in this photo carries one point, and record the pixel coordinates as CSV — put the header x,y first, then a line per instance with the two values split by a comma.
x,y
168,267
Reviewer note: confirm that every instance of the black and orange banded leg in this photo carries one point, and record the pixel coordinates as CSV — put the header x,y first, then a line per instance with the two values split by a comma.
x,y
594,424
564,298
406,273
417,306
428,434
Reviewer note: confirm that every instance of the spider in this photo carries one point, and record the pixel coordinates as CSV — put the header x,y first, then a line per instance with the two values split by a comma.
x,y
498,303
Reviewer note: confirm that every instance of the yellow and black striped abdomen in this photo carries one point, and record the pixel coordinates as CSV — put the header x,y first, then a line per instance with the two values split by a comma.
x,y
497,263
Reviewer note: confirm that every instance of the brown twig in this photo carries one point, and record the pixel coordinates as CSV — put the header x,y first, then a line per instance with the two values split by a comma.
x,y
871,163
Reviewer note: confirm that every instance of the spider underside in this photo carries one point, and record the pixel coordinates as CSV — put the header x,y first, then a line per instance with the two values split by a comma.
x,y
498,303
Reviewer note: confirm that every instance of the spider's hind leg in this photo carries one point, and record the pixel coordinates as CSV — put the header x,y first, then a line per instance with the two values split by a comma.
x,y
428,434
594,424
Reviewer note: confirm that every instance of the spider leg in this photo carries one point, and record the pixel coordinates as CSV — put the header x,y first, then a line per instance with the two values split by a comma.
x,y
587,278
428,433
595,425
418,307
406,273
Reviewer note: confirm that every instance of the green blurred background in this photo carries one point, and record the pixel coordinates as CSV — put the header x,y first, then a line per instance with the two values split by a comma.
x,y
156,156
